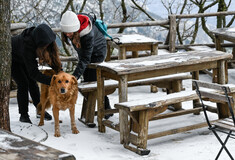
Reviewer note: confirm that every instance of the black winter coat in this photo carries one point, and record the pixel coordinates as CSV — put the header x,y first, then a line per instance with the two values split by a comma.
x,y
24,49
93,49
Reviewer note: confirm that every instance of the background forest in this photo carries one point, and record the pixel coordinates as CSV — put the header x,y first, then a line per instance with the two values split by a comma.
x,y
189,31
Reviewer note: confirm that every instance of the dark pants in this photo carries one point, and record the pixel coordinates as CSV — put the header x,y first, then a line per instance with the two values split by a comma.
x,y
24,85
89,75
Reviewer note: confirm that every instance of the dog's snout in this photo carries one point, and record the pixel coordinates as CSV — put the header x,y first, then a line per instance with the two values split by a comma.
x,y
62,90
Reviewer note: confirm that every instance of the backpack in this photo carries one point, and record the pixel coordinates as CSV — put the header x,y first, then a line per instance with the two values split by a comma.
x,y
100,25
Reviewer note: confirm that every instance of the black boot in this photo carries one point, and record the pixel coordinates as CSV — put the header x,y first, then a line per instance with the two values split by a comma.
x,y
46,117
107,106
25,118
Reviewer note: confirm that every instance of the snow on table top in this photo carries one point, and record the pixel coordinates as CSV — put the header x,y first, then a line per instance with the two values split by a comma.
x,y
231,29
134,38
160,61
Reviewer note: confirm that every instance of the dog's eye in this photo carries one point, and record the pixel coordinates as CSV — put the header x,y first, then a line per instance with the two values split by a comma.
x,y
66,81
59,81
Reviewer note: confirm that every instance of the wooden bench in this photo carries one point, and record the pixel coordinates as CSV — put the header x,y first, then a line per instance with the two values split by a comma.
x,y
173,83
20,148
142,111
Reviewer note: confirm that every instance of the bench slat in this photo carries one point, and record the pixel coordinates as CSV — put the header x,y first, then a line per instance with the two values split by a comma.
x,y
151,103
91,86
225,123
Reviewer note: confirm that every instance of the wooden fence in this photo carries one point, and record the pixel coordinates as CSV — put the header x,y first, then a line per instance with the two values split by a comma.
x,y
169,23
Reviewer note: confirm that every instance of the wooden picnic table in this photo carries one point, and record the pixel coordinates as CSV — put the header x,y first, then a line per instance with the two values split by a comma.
x,y
131,42
154,66
15,147
222,34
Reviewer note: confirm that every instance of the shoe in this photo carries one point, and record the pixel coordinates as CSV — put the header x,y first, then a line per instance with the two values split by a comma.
x,y
25,118
47,116
106,107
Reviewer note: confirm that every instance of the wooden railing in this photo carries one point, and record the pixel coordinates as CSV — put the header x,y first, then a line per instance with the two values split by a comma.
x,y
169,23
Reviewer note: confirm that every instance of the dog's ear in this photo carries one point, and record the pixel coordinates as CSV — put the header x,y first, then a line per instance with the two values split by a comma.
x,y
75,81
53,80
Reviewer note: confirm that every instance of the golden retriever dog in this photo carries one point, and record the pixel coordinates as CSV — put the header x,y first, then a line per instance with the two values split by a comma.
x,y
62,94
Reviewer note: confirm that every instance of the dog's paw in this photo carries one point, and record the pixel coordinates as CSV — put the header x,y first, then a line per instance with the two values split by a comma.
x,y
57,134
75,131
41,124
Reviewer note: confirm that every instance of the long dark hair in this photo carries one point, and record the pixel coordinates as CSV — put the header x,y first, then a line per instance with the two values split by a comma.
x,y
50,55
75,40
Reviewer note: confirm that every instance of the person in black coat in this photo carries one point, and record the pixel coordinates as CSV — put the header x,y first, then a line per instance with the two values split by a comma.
x,y
35,43
89,43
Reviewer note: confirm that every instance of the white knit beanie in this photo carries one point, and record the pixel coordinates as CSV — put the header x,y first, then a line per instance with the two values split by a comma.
x,y
69,22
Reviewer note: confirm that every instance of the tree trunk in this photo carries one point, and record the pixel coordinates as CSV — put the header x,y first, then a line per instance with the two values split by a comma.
x,y
5,64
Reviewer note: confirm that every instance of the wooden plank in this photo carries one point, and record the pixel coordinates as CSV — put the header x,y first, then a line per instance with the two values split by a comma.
x,y
143,129
21,148
177,130
216,96
110,84
225,125
172,33
154,49
90,108
110,124
210,85
139,24
177,113
122,53
152,103
187,59
176,87
100,99
124,129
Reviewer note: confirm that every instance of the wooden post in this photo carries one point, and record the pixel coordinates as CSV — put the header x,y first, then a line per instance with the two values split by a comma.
x,y
176,87
172,31
223,111
108,56
154,49
90,108
122,53
135,54
143,130
123,116
195,75
100,99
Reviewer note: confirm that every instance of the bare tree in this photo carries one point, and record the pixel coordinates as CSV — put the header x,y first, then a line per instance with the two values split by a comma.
x,y
5,64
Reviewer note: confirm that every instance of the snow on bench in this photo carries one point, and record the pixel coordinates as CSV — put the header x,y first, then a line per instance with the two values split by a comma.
x,y
142,111
13,146
89,89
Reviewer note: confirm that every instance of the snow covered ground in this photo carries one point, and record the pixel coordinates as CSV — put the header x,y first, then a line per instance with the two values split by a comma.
x,y
89,144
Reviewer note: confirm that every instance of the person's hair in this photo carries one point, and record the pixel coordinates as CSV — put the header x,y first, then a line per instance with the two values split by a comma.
x,y
50,55
75,40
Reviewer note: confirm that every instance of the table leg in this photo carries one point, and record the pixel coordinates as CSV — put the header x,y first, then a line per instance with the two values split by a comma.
x,y
143,130
195,75
223,110
122,53
100,99
123,117
135,54
218,42
177,86
108,57
154,49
